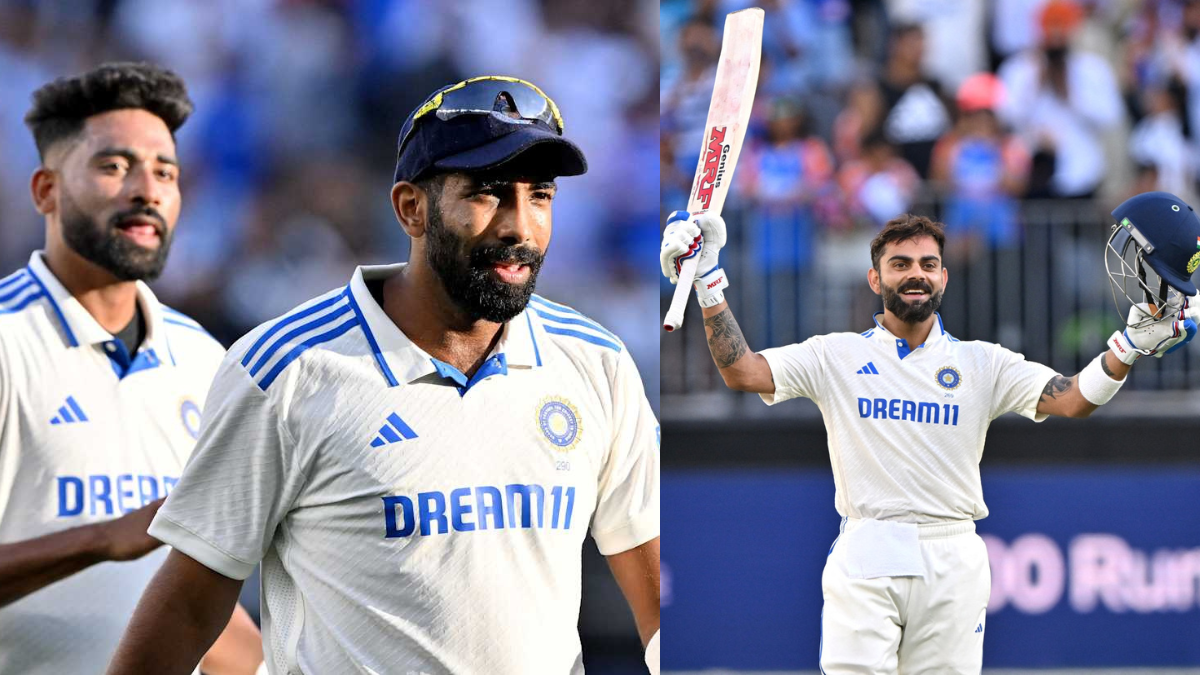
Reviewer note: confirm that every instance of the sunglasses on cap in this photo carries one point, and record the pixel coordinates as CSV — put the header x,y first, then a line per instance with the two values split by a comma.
x,y
523,103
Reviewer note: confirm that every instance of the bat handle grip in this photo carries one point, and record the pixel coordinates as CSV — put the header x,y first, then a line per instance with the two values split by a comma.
x,y
683,288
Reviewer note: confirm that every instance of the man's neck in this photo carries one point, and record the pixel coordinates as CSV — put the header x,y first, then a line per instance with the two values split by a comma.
x,y
417,303
914,334
110,301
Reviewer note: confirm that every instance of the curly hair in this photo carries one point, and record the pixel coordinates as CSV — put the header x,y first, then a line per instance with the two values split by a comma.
x,y
905,228
61,107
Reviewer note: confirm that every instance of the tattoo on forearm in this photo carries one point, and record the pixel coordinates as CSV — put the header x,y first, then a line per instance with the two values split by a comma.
x,y
725,339
1104,366
1057,385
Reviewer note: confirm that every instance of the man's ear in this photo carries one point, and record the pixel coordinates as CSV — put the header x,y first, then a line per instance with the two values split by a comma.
x,y
410,204
43,187
873,280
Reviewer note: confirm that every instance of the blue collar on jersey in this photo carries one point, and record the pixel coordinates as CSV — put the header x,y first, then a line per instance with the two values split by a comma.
x,y
79,327
400,360
902,347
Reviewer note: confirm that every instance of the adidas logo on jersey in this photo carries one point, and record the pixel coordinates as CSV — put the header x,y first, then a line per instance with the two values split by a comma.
x,y
868,369
393,431
69,413
979,628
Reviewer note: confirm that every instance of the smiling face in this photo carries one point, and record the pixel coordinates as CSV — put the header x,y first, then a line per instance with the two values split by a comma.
x,y
485,238
111,193
910,278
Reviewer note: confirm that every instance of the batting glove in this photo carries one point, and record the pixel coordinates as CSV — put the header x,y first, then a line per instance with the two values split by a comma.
x,y
1157,338
681,240
701,236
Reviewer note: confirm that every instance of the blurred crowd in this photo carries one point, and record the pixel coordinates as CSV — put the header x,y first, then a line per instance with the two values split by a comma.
x,y
869,108
287,161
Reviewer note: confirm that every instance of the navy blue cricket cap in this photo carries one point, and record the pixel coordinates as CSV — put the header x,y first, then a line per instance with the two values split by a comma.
x,y
485,123
1172,228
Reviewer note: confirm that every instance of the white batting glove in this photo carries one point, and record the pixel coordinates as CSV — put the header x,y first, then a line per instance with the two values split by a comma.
x,y
701,236
681,240
1157,338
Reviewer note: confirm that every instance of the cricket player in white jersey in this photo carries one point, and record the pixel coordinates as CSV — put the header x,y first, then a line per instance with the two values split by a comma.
x,y
101,386
416,457
907,407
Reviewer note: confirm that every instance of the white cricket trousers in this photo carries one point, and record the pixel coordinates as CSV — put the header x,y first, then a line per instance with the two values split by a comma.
x,y
910,625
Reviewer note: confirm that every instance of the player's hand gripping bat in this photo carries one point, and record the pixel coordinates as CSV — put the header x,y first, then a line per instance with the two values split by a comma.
x,y
725,130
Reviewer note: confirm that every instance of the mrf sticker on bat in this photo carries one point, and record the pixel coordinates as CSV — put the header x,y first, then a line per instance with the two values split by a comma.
x,y
709,179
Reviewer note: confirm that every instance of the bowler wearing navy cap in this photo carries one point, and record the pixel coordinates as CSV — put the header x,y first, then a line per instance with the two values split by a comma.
x,y
416,458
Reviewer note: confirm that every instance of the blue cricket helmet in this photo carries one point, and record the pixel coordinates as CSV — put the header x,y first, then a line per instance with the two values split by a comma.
x,y
1159,231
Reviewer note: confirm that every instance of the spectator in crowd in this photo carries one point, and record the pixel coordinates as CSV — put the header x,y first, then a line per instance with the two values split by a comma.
x,y
862,115
955,40
879,185
1162,139
915,114
686,96
1062,102
789,178
981,170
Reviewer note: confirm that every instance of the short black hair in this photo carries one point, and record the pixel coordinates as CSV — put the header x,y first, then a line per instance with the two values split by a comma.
x,y
61,107
905,228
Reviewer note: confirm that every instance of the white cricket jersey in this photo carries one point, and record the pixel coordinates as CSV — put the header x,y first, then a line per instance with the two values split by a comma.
x,y
410,520
87,433
906,426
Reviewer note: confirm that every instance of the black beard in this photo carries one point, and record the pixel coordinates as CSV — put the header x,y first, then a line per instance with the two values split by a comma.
x,y
467,275
906,311
106,247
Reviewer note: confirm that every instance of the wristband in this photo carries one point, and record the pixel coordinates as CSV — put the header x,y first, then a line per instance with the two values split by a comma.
x,y
652,654
1095,385
709,287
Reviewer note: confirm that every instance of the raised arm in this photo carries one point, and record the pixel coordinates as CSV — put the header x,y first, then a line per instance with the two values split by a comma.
x,y
1063,396
704,236
26,566
742,369
179,617
1097,383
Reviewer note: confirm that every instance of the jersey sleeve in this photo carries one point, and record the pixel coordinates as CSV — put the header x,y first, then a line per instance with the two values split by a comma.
x,y
1018,384
239,483
627,504
797,369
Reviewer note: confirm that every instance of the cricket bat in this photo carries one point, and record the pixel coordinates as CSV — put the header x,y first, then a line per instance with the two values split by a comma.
x,y
725,130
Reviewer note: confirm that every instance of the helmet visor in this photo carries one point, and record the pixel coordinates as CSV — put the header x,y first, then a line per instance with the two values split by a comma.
x,y
1134,281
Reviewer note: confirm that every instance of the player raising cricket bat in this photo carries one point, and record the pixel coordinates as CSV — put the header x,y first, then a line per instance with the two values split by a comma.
x,y
725,129
907,406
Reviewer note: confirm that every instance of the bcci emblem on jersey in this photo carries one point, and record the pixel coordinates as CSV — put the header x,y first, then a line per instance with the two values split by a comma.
x,y
559,422
949,378
189,413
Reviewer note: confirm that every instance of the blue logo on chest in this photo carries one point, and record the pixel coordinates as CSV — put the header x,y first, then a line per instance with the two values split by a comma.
x,y
559,423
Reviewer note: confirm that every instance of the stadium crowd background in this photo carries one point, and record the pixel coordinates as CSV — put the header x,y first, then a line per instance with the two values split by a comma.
x,y
287,161
1018,123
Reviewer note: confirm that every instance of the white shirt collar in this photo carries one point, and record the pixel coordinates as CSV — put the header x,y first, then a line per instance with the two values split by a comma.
x,y
881,334
403,361
79,326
